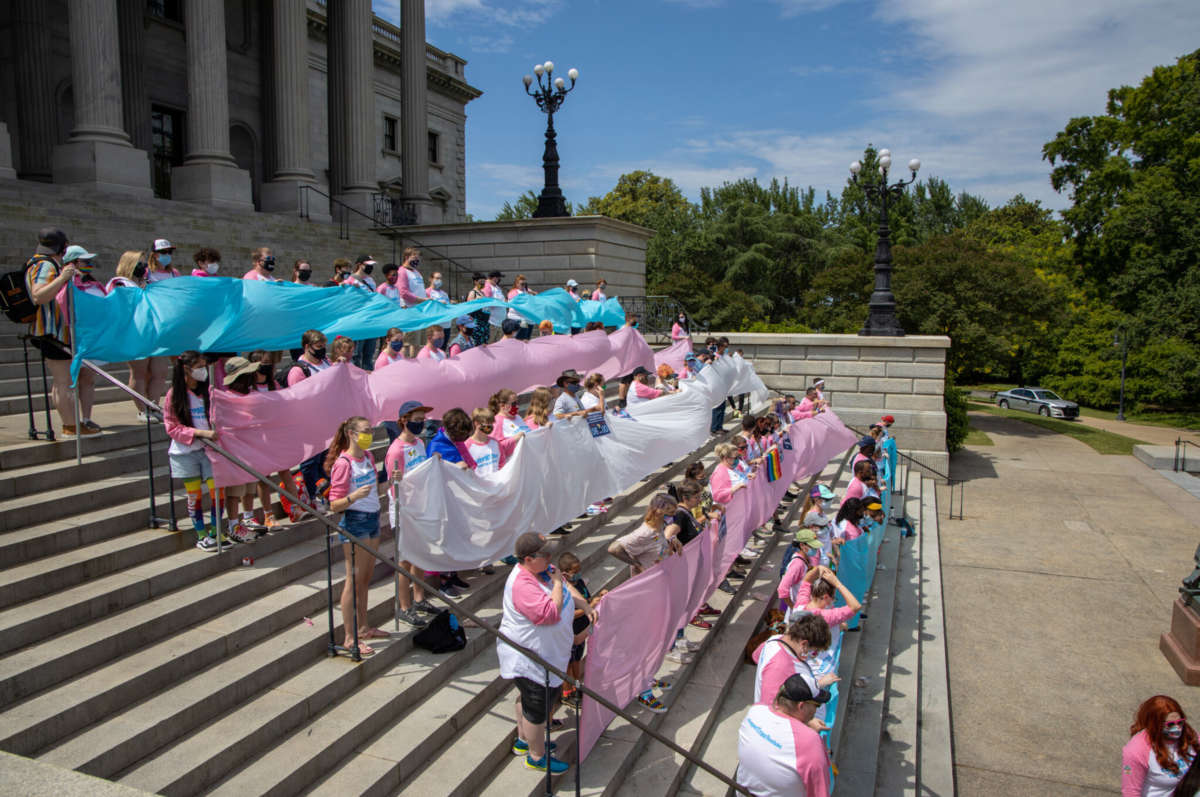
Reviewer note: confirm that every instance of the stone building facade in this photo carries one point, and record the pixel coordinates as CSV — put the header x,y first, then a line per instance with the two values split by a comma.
x,y
234,103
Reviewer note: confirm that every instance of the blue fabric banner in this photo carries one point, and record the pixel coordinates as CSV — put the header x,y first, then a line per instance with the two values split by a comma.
x,y
221,314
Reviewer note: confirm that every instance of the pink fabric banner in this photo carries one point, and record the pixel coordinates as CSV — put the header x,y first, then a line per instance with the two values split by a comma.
x,y
674,355
637,622
277,430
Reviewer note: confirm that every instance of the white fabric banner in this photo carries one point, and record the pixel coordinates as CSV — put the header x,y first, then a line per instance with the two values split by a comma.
x,y
447,518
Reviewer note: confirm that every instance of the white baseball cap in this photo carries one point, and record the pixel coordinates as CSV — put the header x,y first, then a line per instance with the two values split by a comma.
x,y
162,245
572,284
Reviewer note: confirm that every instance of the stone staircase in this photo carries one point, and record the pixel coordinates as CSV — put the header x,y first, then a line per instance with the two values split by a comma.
x,y
127,654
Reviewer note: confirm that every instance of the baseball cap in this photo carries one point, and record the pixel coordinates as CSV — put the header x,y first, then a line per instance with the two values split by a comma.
x,y
797,690
641,369
530,544
495,274
163,245
236,366
465,321
509,326
808,537
821,491
872,504
76,252
364,259
412,406
815,518
888,419
51,241
866,440
572,284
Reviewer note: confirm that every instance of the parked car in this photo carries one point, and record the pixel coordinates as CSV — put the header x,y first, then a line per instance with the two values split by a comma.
x,y
1037,399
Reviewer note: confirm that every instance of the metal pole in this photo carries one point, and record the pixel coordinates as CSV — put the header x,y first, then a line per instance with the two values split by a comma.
x,y
212,495
46,396
33,433
352,582
150,469
329,588
546,758
71,334
394,511
1124,355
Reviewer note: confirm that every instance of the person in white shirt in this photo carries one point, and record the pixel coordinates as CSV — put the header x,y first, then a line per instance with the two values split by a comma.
x,y
364,350
592,397
566,405
437,294
778,754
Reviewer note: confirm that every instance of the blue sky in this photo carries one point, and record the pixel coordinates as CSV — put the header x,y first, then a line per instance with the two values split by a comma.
x,y
704,91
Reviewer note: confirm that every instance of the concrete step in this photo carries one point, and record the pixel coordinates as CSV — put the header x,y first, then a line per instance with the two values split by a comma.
x,y
48,476
14,385
66,501
72,631
935,763
19,404
39,452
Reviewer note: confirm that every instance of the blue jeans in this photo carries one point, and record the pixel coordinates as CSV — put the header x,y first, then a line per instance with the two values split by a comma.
x,y
718,419
359,525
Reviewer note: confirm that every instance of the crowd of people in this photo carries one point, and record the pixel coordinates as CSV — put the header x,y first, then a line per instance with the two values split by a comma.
x,y
56,263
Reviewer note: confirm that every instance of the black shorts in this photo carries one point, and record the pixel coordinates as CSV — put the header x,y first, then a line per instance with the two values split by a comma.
x,y
50,348
578,625
533,700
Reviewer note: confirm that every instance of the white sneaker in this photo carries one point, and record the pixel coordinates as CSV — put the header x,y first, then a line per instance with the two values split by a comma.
x,y
688,645
683,657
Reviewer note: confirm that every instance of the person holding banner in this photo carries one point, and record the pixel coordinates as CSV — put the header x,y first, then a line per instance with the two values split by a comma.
x,y
432,350
392,349
541,401
407,451
726,479
592,399
566,405
791,653
508,421
779,755
539,613
848,517
465,339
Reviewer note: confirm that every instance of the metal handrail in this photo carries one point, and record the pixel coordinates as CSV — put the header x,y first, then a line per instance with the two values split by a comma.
x,y
331,529
1181,453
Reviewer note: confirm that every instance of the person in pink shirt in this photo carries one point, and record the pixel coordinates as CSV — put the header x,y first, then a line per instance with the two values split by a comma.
x,y
464,339
817,593
509,422
263,261
779,755
1161,749
781,656
541,402
863,472
520,288
488,453
496,315
807,545
312,360
725,479
848,517
866,450
432,350
406,452
389,288
679,330
808,407
640,390
208,262
392,349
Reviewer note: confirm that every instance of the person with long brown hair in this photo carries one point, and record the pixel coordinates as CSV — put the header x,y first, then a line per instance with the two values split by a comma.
x,y
354,491
1161,748
188,419
540,402
508,420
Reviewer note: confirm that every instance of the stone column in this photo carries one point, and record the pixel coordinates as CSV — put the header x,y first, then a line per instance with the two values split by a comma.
x,y
135,103
414,122
6,162
289,132
209,173
98,152
352,126
37,126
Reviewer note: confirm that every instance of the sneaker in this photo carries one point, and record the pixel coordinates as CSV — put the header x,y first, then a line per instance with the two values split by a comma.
x,y
424,606
90,424
725,586
142,417
207,544
455,581
681,656
411,617
709,611
450,592
295,514
258,528
653,703
487,570
687,645
240,533
661,684
155,415
521,747
556,767
699,622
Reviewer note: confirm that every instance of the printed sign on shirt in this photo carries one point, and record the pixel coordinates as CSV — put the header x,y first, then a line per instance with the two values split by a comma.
x,y
597,424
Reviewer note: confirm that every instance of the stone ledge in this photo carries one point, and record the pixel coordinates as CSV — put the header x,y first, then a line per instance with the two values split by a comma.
x,y
817,339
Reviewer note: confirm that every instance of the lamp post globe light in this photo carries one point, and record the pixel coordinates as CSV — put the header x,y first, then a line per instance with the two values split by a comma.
x,y
549,96
882,319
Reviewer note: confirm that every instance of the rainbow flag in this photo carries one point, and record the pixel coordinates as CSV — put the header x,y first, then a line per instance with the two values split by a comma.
x,y
773,464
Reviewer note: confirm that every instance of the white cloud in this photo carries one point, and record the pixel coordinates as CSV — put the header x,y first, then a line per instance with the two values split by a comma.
x,y
522,14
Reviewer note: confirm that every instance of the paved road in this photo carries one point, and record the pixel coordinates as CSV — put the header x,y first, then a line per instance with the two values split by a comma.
x,y
1155,435
1057,586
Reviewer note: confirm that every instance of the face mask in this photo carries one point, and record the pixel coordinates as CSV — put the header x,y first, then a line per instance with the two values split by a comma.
x,y
1173,732
319,354
139,271
364,440
682,319
513,409
265,369
437,283
200,374
573,388
305,274
414,263
395,345
164,259
212,268
268,263
416,427
391,278
368,268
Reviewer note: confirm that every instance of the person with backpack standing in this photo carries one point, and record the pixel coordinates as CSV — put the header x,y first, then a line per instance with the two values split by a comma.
x,y
310,362
46,276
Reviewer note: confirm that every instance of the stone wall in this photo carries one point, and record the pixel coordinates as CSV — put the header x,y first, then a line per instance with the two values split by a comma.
x,y
865,378
547,251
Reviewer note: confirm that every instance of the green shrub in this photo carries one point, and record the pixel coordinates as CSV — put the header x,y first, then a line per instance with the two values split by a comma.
x,y
954,400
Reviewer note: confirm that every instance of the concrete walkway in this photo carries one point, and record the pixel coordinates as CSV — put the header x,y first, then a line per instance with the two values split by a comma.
x,y
1155,435
1057,586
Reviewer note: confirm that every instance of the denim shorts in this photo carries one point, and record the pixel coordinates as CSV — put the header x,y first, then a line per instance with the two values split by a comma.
x,y
359,525
191,465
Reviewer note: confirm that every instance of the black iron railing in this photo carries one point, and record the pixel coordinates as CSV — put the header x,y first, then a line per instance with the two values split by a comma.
x,y
1181,453
656,314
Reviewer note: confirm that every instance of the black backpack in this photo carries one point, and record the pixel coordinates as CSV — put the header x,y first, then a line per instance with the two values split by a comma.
x,y
443,634
15,300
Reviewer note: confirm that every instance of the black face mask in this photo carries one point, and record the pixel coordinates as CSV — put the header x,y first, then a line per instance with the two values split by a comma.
x,y
268,262
416,427
304,274
265,369
368,268
319,353
139,271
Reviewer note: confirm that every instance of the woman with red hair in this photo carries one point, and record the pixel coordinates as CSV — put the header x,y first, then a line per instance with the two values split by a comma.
x,y
1160,751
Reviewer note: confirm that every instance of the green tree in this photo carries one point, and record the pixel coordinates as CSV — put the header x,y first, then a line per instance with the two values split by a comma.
x,y
1133,176
522,208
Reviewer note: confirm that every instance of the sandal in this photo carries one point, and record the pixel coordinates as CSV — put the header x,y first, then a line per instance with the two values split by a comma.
x,y
376,633
556,724
363,649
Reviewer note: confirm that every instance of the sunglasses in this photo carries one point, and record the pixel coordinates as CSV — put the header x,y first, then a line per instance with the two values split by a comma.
x,y
1173,724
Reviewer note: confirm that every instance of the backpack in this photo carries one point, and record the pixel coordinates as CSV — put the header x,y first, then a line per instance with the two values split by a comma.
x,y
443,634
15,300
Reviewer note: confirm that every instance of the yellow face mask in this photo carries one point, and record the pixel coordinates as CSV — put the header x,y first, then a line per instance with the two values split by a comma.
x,y
364,440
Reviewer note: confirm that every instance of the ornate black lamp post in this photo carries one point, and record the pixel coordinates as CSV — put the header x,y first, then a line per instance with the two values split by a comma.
x,y
882,319
549,97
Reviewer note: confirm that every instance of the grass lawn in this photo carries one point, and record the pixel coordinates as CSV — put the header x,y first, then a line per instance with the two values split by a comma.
x,y
977,437
1103,442
1172,420
986,386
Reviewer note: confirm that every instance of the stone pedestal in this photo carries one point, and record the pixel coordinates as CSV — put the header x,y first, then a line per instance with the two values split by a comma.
x,y
104,166
6,162
1181,645
212,183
